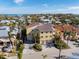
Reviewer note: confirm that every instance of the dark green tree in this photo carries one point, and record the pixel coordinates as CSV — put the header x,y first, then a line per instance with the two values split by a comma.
x,y
23,34
36,36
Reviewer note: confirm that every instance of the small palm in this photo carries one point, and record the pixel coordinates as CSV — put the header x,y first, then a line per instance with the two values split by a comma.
x,y
44,56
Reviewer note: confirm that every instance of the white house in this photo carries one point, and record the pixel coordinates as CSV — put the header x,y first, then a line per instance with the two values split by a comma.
x,y
45,21
4,21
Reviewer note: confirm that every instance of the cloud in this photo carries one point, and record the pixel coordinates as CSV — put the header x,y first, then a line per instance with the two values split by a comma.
x,y
18,1
74,8
45,5
30,10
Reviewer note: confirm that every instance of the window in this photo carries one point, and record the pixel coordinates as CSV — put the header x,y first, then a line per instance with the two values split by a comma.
x,y
46,32
46,36
41,36
41,32
1,43
50,31
50,36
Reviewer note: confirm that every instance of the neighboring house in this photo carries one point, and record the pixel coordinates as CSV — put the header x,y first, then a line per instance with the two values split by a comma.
x,y
22,18
64,27
53,20
45,33
60,29
14,32
5,27
3,33
13,21
3,37
29,19
57,22
46,21
77,32
68,21
5,22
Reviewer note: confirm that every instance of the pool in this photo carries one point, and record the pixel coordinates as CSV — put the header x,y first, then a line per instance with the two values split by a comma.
x,y
74,56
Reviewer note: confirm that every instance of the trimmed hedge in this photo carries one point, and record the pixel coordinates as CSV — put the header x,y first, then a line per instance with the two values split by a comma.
x,y
2,57
37,47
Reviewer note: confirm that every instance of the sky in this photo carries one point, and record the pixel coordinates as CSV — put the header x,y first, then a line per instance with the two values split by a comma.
x,y
38,6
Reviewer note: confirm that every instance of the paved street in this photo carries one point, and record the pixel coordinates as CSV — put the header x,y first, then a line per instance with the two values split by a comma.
x,y
50,52
29,54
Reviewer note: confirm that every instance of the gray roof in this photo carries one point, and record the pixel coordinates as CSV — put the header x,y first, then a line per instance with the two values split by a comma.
x,y
45,28
5,21
3,33
5,27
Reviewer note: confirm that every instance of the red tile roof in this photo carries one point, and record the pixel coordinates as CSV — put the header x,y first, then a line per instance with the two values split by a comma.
x,y
77,30
65,27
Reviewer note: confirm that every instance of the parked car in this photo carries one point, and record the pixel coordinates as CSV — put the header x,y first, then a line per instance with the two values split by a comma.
x,y
7,49
77,41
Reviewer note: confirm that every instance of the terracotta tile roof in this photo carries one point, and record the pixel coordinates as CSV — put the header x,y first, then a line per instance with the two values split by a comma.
x,y
65,27
77,30
59,27
68,27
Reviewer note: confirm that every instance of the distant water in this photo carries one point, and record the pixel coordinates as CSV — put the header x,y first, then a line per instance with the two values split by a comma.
x,y
12,14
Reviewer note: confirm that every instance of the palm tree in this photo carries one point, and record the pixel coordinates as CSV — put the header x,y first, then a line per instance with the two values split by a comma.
x,y
20,49
58,43
9,34
23,34
73,34
60,49
20,23
67,35
44,56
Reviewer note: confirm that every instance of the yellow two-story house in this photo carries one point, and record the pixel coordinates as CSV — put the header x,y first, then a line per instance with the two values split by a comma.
x,y
45,33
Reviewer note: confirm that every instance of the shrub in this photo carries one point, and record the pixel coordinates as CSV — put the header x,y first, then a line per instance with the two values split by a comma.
x,y
73,39
2,57
37,47
61,44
